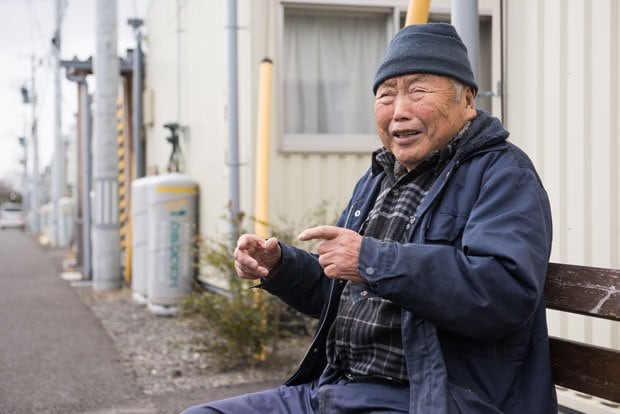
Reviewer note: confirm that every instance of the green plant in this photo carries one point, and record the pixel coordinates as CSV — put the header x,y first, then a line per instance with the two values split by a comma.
x,y
244,325
237,332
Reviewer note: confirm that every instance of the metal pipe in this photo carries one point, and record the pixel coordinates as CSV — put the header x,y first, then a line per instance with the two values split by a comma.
x,y
179,101
138,65
76,194
417,12
86,182
233,119
465,20
261,212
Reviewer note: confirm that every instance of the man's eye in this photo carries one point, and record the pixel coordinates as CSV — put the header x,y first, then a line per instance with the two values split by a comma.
x,y
385,97
385,100
417,93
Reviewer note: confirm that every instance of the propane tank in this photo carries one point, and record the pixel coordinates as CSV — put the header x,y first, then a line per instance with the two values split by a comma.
x,y
139,238
172,227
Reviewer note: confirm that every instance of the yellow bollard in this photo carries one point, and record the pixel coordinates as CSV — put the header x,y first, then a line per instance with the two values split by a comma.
x,y
417,12
261,205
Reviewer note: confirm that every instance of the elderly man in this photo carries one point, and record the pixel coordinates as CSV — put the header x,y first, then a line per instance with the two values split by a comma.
x,y
430,288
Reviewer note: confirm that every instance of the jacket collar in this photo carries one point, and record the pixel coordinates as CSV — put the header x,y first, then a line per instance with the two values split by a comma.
x,y
484,131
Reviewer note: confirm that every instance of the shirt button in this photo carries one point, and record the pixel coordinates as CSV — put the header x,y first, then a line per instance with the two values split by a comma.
x,y
364,293
357,213
370,271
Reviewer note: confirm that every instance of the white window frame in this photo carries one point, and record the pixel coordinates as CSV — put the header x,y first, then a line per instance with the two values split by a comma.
x,y
393,9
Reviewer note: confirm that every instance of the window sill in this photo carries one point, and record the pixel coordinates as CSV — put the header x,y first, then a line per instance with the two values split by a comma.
x,y
330,143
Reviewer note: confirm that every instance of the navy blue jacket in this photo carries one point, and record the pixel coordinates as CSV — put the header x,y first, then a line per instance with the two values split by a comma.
x,y
470,282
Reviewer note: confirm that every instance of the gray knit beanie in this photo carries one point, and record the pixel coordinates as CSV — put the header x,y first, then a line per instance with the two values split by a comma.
x,y
426,48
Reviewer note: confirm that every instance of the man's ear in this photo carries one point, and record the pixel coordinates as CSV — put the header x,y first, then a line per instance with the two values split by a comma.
x,y
470,102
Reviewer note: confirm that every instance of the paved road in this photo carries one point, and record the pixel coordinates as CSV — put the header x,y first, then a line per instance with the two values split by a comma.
x,y
55,356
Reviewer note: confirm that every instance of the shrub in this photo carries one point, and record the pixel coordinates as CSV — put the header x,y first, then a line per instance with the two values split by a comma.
x,y
243,325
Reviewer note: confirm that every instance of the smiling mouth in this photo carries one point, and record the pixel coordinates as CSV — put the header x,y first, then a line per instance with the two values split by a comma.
x,y
405,134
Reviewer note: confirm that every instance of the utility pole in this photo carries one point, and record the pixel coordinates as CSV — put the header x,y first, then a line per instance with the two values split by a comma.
x,y
58,164
106,239
23,141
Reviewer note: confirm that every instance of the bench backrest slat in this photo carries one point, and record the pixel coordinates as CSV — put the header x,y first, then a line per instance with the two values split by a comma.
x,y
593,292
586,368
585,290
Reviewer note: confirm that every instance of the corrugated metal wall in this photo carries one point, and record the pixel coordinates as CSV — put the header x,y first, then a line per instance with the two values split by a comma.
x,y
562,107
302,182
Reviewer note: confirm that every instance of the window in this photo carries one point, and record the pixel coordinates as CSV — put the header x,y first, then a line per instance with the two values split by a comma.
x,y
330,54
330,59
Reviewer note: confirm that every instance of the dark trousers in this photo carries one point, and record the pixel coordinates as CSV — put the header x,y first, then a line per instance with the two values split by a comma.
x,y
331,394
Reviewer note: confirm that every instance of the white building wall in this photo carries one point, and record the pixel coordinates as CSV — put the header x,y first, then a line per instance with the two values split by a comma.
x,y
562,107
197,98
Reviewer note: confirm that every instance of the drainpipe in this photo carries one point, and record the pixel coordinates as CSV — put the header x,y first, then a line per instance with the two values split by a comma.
x,y
138,64
465,19
85,170
87,272
233,121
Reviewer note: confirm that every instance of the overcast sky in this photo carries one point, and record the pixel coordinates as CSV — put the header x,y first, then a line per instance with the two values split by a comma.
x,y
26,30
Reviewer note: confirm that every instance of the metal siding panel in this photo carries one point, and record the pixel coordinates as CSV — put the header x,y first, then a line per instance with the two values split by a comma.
x,y
574,187
562,102
549,122
308,180
601,134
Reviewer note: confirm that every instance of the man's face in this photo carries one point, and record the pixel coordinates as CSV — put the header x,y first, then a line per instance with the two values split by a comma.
x,y
418,114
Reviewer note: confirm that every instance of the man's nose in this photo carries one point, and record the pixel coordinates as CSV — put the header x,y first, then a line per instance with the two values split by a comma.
x,y
402,107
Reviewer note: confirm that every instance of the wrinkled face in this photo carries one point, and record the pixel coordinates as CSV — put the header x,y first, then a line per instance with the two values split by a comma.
x,y
418,114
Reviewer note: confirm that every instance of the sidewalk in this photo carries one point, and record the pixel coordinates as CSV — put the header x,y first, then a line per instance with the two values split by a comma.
x,y
55,356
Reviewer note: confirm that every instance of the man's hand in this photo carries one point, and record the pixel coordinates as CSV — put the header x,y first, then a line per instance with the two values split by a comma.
x,y
338,252
255,257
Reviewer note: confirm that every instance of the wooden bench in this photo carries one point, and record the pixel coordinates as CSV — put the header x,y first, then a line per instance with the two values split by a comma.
x,y
593,292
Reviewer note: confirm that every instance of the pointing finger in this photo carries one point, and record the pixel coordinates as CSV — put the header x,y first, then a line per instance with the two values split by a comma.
x,y
320,232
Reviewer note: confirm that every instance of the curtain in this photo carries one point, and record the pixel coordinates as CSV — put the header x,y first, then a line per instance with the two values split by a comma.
x,y
330,62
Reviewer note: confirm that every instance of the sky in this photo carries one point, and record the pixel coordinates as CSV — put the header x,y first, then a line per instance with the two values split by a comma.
x,y
26,30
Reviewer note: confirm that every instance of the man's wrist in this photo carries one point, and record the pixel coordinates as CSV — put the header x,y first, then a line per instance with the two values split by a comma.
x,y
274,269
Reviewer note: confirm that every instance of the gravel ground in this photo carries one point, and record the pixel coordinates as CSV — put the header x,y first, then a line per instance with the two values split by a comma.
x,y
160,350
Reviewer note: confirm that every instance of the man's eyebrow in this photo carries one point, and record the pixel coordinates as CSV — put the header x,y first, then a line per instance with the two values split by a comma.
x,y
388,83
418,77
